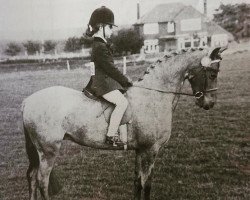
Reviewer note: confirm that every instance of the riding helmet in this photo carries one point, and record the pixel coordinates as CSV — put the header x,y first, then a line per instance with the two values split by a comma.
x,y
102,15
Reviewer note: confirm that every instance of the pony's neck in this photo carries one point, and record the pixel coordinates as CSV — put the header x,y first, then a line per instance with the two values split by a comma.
x,y
166,75
169,74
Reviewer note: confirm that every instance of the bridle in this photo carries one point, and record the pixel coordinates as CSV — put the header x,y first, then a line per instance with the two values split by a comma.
x,y
197,95
200,94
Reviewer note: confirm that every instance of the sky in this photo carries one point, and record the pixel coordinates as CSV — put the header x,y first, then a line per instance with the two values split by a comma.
x,y
42,19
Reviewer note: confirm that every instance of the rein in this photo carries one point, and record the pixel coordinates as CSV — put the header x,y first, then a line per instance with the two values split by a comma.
x,y
164,91
172,92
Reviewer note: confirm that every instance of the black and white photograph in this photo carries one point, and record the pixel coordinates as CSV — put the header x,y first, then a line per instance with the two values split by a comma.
x,y
124,99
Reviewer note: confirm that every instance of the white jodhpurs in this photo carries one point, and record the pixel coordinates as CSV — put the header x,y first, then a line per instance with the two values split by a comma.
x,y
121,103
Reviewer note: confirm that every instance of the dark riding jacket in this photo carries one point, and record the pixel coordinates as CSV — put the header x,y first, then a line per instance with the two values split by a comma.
x,y
107,77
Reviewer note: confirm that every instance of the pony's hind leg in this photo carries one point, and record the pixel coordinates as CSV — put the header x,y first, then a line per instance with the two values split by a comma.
x,y
33,165
31,177
47,159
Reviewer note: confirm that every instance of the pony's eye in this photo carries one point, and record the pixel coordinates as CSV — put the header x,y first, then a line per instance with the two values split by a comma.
x,y
213,76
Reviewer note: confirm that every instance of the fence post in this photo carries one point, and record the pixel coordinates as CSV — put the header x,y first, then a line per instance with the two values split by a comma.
x,y
68,66
124,65
134,60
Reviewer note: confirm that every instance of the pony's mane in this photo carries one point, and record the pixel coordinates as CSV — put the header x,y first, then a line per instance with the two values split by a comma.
x,y
167,58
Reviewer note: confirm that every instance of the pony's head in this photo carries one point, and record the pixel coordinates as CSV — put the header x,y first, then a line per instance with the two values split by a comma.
x,y
203,78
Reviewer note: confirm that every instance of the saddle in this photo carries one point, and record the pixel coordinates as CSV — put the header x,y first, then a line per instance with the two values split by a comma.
x,y
107,108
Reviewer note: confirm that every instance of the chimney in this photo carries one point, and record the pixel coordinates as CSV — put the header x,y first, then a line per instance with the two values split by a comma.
x,y
205,7
138,11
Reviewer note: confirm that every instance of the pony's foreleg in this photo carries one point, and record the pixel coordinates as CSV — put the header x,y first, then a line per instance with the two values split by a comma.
x,y
144,167
147,186
137,181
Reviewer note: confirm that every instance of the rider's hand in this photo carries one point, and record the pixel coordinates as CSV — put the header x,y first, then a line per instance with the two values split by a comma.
x,y
130,82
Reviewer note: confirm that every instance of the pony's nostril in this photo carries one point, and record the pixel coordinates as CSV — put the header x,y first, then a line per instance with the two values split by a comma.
x,y
206,107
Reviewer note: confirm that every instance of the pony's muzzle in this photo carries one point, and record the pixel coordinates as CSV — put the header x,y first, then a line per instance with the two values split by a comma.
x,y
208,103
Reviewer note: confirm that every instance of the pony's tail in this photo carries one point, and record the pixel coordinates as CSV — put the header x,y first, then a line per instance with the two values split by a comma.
x,y
31,150
54,185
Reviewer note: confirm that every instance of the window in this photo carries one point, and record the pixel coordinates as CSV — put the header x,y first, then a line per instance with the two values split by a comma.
x,y
152,28
187,44
219,40
197,43
170,28
203,42
191,42
191,24
151,46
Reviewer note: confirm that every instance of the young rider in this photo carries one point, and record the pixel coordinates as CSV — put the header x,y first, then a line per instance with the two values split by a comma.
x,y
108,82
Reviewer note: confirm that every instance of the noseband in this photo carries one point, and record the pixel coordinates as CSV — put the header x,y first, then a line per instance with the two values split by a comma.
x,y
199,94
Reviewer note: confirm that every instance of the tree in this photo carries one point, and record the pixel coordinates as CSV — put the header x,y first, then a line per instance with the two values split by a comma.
x,y
32,47
127,40
49,46
72,44
235,19
12,49
86,41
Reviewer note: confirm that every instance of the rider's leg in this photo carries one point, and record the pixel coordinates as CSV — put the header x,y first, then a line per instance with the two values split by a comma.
x,y
121,103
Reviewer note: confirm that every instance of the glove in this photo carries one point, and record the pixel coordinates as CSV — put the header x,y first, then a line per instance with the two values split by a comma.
x,y
129,83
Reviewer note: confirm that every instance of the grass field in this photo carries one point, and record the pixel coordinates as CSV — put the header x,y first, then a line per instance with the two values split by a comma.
x,y
207,156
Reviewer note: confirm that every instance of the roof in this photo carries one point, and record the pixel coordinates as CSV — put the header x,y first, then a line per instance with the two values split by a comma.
x,y
162,13
189,11
175,11
213,28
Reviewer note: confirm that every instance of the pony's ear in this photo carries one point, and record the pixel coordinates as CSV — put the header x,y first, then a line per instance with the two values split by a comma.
x,y
214,53
222,49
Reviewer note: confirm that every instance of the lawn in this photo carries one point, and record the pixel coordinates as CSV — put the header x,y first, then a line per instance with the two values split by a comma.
x,y
207,156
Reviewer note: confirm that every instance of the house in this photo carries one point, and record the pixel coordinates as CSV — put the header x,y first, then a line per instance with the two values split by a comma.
x,y
176,26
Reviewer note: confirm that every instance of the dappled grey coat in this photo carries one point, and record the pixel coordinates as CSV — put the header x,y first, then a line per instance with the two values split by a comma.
x,y
107,77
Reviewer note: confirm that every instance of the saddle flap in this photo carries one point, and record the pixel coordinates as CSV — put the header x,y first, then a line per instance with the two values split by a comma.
x,y
108,109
